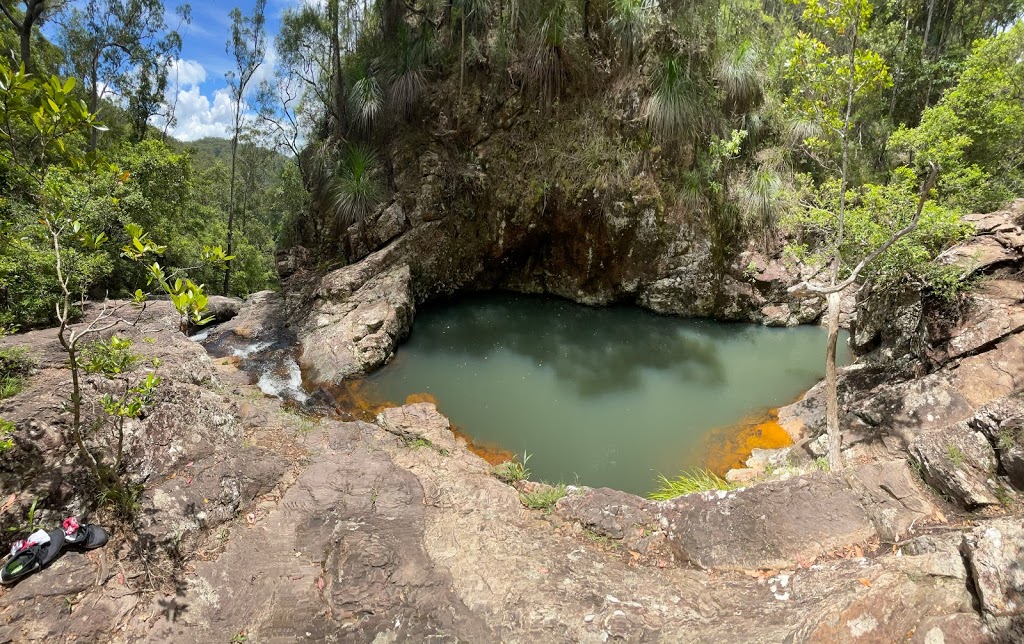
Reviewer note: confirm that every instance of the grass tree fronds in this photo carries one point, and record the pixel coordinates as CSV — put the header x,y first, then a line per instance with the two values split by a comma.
x,y
761,200
407,72
692,198
676,108
550,65
738,75
354,189
366,99
632,22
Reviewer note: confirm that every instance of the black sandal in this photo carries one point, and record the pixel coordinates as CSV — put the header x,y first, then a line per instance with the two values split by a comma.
x,y
86,535
31,559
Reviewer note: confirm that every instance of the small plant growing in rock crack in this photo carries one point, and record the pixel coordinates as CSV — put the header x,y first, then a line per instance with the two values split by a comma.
x,y
688,482
419,443
512,471
1003,496
956,455
821,463
601,539
6,433
544,497
1009,437
31,522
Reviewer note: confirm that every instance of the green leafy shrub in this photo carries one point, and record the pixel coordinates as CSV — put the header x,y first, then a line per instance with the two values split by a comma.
x,y
874,212
113,357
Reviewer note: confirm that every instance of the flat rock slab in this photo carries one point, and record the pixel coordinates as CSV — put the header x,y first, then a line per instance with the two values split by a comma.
x,y
773,525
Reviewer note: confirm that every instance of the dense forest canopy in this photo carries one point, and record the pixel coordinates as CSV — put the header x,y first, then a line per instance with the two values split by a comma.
x,y
758,120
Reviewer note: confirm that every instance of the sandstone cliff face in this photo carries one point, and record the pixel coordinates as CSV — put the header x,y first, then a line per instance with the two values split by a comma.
x,y
595,246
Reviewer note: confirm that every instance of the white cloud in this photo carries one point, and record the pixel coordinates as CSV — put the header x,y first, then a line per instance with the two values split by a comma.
x,y
186,73
197,117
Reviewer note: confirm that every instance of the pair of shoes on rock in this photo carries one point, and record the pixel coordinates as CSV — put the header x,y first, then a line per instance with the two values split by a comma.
x,y
42,547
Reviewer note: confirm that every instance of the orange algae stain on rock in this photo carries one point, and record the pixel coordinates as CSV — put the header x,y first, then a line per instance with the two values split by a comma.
x,y
493,454
730,447
412,399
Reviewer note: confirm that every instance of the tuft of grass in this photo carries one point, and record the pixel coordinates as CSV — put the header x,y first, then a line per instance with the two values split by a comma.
x,y
956,455
420,443
688,482
1008,437
6,430
544,497
1003,496
512,471
15,365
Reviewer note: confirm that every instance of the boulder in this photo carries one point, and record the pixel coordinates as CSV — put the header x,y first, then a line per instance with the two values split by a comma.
x,y
959,462
391,223
995,553
607,512
222,308
893,497
773,525
418,421
355,326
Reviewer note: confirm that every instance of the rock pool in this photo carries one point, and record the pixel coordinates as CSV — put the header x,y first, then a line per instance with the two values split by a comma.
x,y
599,396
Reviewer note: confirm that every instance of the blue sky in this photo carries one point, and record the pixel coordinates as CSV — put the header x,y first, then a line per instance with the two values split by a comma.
x,y
203,106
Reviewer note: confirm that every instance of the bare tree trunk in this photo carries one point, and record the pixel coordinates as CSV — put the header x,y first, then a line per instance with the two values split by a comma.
x,y
339,83
928,25
231,203
835,457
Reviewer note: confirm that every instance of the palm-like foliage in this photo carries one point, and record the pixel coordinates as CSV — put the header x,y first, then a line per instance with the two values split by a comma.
x,y
550,64
366,98
632,22
761,201
353,191
677,106
738,75
407,73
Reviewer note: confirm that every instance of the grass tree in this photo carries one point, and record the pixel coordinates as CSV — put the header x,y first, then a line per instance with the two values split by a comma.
x,y
632,23
354,190
550,60
366,97
407,72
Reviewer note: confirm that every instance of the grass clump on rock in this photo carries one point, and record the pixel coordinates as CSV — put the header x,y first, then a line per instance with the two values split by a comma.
x,y
544,497
688,482
512,472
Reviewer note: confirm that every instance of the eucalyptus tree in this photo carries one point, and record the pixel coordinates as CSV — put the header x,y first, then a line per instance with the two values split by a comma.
x,y
124,47
247,46
27,19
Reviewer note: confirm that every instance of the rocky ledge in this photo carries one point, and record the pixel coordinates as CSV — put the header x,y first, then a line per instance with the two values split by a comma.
x,y
260,522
